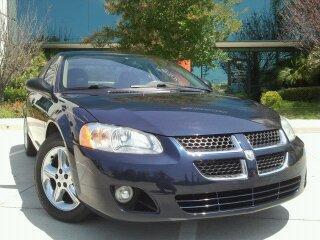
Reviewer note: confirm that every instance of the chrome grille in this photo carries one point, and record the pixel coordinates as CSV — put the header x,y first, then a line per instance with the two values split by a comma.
x,y
219,168
237,199
270,162
207,143
263,139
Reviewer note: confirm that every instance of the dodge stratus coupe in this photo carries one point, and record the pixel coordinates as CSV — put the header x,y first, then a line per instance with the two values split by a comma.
x,y
138,138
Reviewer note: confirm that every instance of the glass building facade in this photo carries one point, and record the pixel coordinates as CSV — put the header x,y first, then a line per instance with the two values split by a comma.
x,y
72,21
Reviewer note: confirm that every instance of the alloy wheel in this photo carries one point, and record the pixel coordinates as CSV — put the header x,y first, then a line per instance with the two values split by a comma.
x,y
57,181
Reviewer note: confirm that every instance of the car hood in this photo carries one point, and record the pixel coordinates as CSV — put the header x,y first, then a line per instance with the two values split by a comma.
x,y
177,114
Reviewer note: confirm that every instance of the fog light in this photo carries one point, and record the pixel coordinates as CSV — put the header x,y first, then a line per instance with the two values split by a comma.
x,y
124,194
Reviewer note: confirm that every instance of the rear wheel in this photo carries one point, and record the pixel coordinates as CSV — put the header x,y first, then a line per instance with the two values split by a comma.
x,y
28,145
54,182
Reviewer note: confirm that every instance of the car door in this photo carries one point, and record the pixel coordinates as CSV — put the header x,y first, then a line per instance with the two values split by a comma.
x,y
39,104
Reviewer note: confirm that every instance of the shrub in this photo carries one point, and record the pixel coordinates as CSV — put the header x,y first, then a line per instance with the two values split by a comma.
x,y
314,58
20,41
33,71
16,90
15,94
271,99
301,94
300,71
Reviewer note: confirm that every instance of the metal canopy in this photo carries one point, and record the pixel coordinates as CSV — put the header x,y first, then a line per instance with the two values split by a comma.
x,y
257,46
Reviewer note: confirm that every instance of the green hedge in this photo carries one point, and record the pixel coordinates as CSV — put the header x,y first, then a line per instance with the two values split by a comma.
x,y
305,94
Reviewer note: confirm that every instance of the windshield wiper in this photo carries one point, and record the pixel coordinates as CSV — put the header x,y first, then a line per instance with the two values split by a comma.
x,y
97,86
148,85
158,84
187,88
93,86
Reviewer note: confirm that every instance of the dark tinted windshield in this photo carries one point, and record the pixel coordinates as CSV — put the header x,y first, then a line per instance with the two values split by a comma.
x,y
121,72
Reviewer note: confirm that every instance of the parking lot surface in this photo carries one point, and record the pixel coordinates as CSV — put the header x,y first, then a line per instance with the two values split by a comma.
x,y
21,215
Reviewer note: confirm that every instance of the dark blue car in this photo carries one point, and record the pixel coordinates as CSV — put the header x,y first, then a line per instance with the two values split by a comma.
x,y
138,138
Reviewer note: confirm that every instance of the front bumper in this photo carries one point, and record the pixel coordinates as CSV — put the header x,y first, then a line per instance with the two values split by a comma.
x,y
163,177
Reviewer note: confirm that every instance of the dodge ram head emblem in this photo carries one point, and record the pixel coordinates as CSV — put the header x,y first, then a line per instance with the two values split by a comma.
x,y
249,155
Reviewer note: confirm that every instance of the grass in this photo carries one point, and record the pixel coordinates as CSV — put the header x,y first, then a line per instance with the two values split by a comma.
x,y
11,110
300,110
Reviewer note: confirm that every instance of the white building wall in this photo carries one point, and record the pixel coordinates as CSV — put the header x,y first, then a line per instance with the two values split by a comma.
x,y
3,22
3,8
8,15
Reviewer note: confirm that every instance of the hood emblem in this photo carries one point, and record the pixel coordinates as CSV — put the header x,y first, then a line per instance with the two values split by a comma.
x,y
249,155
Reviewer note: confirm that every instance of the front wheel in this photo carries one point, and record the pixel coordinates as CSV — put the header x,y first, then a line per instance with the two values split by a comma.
x,y
54,183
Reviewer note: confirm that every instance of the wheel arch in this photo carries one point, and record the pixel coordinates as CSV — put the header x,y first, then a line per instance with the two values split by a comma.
x,y
63,128
55,128
51,129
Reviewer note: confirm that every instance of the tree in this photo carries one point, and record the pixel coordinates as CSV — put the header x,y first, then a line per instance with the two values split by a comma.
x,y
20,41
302,22
174,30
259,26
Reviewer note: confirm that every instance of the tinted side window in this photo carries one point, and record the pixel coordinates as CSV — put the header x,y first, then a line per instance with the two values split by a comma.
x,y
51,73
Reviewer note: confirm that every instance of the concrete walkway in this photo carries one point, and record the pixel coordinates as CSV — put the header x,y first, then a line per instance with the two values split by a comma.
x,y
21,215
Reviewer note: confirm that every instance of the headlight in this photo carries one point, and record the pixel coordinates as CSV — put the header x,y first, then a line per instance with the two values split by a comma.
x,y
118,139
288,129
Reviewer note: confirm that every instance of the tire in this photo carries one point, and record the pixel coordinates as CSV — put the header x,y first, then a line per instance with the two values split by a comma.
x,y
50,178
28,145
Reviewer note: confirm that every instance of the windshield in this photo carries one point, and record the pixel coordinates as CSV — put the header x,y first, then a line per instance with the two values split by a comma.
x,y
121,72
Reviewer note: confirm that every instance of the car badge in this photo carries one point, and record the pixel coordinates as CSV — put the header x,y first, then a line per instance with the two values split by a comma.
x,y
249,155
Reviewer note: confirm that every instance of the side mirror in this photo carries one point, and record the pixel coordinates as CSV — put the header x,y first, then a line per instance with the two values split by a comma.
x,y
37,84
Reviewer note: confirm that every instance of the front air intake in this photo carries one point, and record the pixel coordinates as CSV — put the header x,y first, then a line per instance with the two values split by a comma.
x,y
237,199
